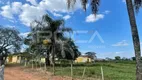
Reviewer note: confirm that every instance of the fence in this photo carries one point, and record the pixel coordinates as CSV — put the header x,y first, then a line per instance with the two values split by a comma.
x,y
2,72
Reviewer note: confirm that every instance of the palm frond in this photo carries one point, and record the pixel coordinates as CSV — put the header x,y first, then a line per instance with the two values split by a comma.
x,y
47,18
70,3
137,4
67,30
94,6
56,25
74,1
84,3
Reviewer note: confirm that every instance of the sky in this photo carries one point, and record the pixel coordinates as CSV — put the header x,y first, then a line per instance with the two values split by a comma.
x,y
108,33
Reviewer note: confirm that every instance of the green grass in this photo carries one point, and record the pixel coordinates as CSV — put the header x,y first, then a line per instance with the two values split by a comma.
x,y
112,70
118,70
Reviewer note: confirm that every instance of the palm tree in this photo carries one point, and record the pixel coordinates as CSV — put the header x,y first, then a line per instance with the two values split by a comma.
x,y
130,8
56,29
135,35
67,49
94,4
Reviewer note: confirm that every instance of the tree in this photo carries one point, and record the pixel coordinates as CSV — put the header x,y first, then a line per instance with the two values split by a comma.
x,y
134,58
108,59
125,59
50,30
135,35
10,41
91,55
94,4
130,8
117,58
67,49
55,28
33,49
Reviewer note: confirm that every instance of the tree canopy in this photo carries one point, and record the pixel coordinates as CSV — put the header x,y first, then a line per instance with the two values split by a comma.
x,y
10,41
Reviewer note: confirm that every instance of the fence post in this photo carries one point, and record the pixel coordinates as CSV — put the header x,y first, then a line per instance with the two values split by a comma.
x,y
102,73
71,70
45,67
2,72
83,72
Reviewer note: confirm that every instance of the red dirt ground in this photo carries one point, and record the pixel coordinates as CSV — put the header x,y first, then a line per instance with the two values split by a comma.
x,y
21,73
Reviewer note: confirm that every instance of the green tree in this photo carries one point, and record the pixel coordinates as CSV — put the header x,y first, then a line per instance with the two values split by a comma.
x,y
53,31
34,48
54,27
134,58
91,55
117,58
10,41
67,49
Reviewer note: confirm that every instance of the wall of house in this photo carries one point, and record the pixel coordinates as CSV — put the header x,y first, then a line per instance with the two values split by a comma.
x,y
43,60
13,59
83,59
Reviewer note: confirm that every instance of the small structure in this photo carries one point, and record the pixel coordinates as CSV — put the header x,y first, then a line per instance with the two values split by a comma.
x,y
83,59
15,58
18,58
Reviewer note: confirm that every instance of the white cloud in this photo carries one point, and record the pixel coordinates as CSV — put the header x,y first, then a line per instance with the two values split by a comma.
x,y
10,26
67,17
107,12
117,53
33,2
57,15
24,34
16,7
93,18
122,43
8,10
58,5
29,12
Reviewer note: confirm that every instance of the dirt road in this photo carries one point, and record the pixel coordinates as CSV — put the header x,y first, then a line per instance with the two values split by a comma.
x,y
20,73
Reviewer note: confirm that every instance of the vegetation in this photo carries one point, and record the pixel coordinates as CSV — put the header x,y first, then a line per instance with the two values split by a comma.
x,y
10,41
117,58
91,55
57,45
113,70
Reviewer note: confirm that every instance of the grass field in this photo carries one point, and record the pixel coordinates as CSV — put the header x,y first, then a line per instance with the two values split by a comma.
x,y
112,70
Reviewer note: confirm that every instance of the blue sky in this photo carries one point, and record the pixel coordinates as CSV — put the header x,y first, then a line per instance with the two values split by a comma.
x,y
108,34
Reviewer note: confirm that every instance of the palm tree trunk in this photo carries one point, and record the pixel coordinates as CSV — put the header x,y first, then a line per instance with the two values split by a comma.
x,y
53,53
135,37
47,61
53,59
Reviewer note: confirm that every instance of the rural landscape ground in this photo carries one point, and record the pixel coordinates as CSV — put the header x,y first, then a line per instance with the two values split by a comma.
x,y
112,71
17,72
